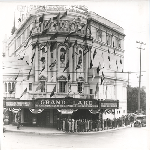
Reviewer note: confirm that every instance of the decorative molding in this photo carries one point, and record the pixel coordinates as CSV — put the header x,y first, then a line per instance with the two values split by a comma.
x,y
61,78
80,79
42,77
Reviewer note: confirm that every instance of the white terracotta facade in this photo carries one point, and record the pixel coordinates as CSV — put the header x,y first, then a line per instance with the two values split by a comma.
x,y
103,35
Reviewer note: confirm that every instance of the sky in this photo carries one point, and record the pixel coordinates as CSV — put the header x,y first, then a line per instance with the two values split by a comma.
x,y
132,15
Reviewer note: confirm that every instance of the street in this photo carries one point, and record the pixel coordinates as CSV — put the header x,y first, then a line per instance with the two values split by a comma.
x,y
127,138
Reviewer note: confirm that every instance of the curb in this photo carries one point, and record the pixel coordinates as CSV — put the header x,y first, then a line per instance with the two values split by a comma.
x,y
79,133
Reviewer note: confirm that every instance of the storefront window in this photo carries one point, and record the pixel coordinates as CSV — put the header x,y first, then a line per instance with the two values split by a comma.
x,y
62,86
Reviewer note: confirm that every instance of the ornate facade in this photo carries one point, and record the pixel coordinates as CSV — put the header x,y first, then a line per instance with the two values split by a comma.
x,y
66,51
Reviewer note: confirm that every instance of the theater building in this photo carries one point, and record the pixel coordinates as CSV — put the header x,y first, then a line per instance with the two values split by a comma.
x,y
64,62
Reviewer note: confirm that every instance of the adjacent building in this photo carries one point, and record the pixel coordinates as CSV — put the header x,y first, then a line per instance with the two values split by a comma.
x,y
63,61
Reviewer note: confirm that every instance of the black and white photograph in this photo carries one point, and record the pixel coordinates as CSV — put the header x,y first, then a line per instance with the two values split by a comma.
x,y
74,74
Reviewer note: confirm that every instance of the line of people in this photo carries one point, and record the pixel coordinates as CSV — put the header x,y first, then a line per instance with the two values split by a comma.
x,y
80,125
86,125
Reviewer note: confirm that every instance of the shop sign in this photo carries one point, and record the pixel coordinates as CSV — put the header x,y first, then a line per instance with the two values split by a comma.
x,y
65,103
19,104
66,111
109,104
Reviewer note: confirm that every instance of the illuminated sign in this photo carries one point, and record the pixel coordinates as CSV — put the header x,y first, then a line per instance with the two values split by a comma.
x,y
108,104
66,111
18,104
65,103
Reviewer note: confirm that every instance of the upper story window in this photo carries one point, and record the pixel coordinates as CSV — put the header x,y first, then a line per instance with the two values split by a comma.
x,y
9,87
91,91
43,86
108,39
62,57
99,35
80,57
62,86
80,88
5,87
51,54
30,86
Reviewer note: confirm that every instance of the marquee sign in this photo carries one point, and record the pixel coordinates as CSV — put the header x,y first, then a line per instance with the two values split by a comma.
x,y
19,103
109,104
66,111
65,103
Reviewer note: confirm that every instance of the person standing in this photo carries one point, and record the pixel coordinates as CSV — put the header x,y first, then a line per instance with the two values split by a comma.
x,y
69,122
72,125
18,121
66,125
75,125
63,124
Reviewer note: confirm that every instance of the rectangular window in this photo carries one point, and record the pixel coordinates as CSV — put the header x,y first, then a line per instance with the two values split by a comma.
x,y
80,87
43,86
5,87
91,91
18,41
30,86
9,86
28,31
62,86
51,55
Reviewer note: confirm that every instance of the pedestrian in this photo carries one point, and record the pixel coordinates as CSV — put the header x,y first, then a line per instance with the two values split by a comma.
x,y
18,121
66,128
63,124
90,125
79,125
57,123
131,120
69,121
76,125
72,125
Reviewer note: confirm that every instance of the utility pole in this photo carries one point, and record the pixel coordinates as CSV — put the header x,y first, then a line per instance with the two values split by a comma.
x,y
140,48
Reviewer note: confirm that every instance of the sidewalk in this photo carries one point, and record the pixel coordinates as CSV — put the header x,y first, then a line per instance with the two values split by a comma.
x,y
49,131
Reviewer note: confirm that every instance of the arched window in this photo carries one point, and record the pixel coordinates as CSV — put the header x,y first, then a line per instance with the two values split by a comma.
x,y
62,57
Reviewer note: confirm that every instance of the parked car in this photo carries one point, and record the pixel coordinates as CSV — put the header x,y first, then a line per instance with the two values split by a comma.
x,y
140,121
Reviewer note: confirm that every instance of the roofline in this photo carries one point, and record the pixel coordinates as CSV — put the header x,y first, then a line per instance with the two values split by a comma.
x,y
91,18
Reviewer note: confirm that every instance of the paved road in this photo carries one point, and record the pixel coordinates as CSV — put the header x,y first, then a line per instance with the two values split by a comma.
x,y
128,138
